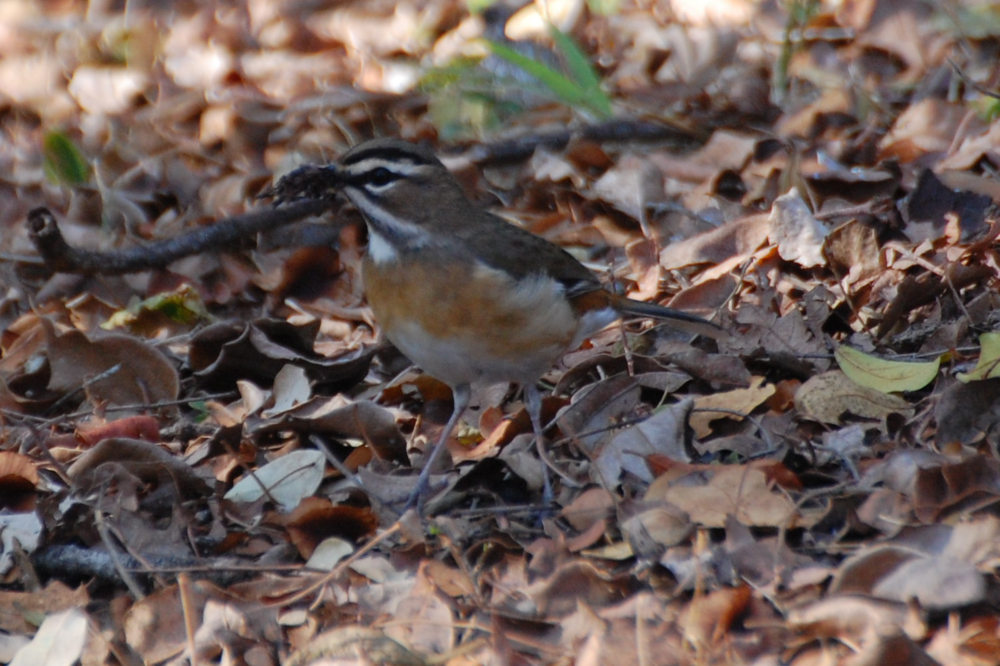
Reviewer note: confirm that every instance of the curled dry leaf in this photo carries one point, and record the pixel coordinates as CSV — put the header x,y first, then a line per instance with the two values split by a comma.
x,y
291,388
936,583
146,460
257,351
718,369
732,243
154,626
328,553
852,250
988,366
855,619
592,505
937,565
106,90
965,411
117,369
924,126
423,620
316,518
558,595
940,488
18,478
595,406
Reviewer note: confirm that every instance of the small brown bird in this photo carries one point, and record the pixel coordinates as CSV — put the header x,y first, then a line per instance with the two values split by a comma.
x,y
467,296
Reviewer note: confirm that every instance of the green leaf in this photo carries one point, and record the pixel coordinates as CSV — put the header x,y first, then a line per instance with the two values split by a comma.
x,y
604,7
884,375
988,366
555,81
575,93
182,306
579,65
62,160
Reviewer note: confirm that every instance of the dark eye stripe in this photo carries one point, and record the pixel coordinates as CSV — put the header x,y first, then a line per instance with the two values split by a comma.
x,y
377,177
380,176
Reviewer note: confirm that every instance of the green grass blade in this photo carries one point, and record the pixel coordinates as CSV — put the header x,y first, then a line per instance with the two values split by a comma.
x,y
62,161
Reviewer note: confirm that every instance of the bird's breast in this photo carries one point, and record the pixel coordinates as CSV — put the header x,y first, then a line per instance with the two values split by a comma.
x,y
463,321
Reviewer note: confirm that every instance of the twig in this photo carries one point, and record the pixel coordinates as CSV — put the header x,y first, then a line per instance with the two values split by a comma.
x,y
102,530
338,570
620,129
59,256
190,621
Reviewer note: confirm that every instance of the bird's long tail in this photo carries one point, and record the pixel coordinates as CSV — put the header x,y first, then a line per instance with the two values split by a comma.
x,y
682,321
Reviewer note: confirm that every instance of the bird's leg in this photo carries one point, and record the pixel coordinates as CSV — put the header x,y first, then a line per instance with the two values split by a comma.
x,y
461,395
533,403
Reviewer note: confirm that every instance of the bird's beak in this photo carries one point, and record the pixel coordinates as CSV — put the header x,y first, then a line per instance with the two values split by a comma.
x,y
332,175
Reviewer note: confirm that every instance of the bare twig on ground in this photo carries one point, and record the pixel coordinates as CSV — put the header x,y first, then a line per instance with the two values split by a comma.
x,y
59,256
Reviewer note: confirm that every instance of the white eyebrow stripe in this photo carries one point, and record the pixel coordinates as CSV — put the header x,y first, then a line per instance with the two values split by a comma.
x,y
403,168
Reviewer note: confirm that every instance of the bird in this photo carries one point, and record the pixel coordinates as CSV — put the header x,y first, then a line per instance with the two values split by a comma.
x,y
467,296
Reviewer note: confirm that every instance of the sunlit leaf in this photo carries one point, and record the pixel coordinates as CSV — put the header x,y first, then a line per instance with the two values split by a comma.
x,y
988,366
885,375
183,306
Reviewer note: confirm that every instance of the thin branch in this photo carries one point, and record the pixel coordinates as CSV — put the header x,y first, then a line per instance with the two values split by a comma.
x,y
618,129
59,256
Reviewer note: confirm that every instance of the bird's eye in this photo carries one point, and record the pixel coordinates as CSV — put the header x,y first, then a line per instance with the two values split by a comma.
x,y
381,176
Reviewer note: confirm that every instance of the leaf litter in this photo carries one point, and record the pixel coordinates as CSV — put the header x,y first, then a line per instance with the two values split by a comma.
x,y
218,478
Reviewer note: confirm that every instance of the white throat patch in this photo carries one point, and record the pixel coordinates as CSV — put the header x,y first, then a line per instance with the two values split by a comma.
x,y
380,250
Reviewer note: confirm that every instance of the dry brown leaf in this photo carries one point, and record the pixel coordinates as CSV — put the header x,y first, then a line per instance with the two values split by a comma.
x,y
18,479
347,642
733,242
797,233
54,597
117,369
741,401
154,626
707,619
854,619
831,395
661,434
710,494
422,620
59,641
651,529
925,126
316,519
147,460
